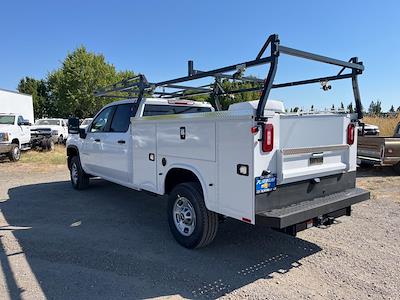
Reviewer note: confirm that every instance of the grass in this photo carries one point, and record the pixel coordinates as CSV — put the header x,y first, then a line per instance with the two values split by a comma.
x,y
386,125
56,157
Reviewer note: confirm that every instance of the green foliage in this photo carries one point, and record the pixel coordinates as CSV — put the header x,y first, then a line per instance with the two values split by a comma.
x,y
375,108
392,109
240,97
38,90
72,86
350,107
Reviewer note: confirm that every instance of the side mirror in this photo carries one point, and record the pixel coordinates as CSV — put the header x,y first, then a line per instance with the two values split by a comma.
x,y
73,125
24,123
82,133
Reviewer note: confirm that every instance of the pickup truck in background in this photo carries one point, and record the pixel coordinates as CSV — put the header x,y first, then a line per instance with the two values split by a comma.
x,y
57,128
379,150
251,161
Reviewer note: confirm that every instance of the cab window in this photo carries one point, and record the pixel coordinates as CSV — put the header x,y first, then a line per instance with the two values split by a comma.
x,y
156,110
102,122
121,118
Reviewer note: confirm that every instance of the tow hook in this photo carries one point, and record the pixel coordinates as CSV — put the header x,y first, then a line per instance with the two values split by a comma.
x,y
324,221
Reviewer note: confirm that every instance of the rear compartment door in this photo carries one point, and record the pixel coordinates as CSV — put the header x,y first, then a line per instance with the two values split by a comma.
x,y
312,146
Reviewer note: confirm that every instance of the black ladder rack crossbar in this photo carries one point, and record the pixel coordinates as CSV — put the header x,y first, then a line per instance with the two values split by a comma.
x,y
139,85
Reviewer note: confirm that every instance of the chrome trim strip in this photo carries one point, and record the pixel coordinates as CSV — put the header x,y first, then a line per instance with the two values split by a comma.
x,y
294,151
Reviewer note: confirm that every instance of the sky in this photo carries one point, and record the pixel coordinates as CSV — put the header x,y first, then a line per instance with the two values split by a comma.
x,y
157,38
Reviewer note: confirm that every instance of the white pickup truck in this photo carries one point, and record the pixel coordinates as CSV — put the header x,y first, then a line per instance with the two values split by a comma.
x,y
56,127
14,135
250,161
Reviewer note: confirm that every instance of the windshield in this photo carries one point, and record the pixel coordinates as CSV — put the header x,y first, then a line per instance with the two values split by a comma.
x,y
48,122
9,120
86,121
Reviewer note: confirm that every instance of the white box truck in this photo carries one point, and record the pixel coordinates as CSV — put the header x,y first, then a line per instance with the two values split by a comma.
x,y
252,161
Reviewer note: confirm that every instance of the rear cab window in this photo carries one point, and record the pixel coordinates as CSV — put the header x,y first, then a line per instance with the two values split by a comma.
x,y
157,109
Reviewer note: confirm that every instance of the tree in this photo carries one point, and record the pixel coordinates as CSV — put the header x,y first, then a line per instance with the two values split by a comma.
x,y
333,107
375,108
312,107
350,107
341,106
239,97
71,87
398,109
38,90
392,109
296,109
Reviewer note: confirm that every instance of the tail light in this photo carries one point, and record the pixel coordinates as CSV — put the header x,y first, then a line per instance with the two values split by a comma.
x,y
350,134
268,138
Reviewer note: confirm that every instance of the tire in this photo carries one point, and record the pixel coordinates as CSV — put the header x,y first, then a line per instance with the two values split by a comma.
x,y
366,164
396,168
79,179
15,153
191,223
50,145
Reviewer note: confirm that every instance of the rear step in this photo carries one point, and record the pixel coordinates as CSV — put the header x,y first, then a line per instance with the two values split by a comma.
x,y
300,212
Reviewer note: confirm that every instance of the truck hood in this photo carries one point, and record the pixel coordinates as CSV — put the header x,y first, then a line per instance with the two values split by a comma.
x,y
52,127
5,126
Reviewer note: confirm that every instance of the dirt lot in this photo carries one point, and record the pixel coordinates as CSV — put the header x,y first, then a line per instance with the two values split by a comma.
x,y
111,242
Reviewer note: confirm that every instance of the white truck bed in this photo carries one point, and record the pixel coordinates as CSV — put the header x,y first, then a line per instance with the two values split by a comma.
x,y
215,143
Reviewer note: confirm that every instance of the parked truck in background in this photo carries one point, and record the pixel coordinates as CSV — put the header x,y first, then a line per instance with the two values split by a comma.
x,y
57,127
251,161
380,150
16,132
16,114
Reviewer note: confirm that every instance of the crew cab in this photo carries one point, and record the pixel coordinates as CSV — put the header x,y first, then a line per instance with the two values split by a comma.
x,y
251,161
380,150
57,128
14,135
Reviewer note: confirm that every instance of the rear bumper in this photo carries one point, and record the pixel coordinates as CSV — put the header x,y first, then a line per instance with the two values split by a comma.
x,y
310,209
5,148
385,161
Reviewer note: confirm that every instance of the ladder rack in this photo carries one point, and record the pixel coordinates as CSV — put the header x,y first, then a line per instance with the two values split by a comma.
x,y
138,86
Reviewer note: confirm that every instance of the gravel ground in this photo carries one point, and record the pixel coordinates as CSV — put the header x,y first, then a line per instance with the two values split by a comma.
x,y
111,242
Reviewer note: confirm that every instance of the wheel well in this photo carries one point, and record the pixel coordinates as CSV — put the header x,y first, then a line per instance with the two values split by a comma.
x,y
71,152
176,176
15,141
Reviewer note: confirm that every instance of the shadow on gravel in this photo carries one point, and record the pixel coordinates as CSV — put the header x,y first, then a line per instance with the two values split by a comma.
x,y
112,242
376,171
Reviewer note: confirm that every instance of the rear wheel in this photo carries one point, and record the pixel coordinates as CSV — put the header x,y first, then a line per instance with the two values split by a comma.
x,y
15,153
79,179
396,168
191,223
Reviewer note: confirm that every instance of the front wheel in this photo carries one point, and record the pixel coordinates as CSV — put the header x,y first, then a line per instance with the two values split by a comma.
x,y
15,153
190,222
79,179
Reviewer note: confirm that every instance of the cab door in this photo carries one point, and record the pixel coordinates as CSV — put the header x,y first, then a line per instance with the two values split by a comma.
x,y
116,146
92,149
25,134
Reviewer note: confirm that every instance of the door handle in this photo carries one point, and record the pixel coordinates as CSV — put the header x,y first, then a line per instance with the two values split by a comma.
x,y
97,140
121,142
